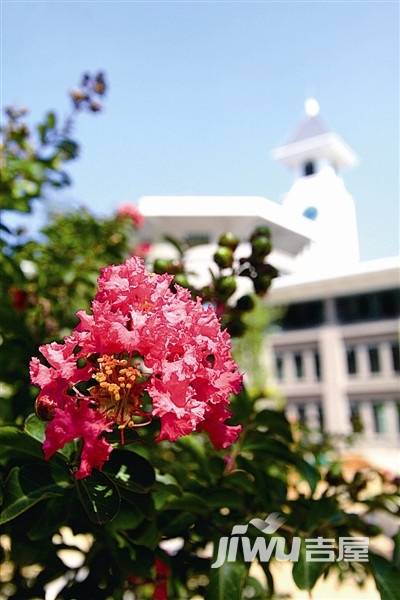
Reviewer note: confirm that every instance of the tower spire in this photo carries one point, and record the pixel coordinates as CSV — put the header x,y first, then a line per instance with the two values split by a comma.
x,y
311,107
314,143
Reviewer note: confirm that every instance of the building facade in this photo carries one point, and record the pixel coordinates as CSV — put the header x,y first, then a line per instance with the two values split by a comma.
x,y
335,353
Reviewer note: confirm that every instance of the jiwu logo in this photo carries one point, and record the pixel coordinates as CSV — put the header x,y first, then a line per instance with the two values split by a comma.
x,y
228,546
318,549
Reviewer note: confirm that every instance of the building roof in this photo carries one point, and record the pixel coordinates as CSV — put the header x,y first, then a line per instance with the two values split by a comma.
x,y
371,275
309,127
314,140
180,215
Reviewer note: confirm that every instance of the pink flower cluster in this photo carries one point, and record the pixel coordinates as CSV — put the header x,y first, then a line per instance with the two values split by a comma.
x,y
131,212
141,340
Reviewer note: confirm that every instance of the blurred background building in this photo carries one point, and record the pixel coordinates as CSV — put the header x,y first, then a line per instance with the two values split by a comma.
x,y
335,352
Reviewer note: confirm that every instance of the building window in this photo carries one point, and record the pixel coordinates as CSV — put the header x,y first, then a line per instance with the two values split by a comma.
x,y
298,363
310,213
279,367
378,411
309,168
351,361
396,357
368,307
374,362
303,315
320,417
197,239
355,418
317,365
301,411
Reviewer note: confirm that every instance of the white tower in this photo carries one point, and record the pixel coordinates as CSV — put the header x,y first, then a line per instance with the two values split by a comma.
x,y
316,155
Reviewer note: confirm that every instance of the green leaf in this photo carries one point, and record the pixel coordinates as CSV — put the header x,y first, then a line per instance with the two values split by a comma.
x,y
306,573
224,498
307,471
276,422
177,523
257,441
386,575
69,148
26,486
176,243
51,120
16,442
164,493
240,480
142,502
227,581
146,535
127,518
131,471
34,427
42,132
396,549
99,496
242,405
52,516
189,502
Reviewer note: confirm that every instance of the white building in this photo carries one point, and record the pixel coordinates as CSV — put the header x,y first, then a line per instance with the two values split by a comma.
x,y
335,356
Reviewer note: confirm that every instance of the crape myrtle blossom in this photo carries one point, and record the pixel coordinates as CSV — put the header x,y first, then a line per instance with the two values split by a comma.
x,y
142,249
142,340
130,211
163,572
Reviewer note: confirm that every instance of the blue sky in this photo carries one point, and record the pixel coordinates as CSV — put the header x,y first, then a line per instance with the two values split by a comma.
x,y
200,92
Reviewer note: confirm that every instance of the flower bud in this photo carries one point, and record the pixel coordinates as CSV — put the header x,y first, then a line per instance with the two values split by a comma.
x,y
223,257
225,286
236,328
229,240
44,408
99,86
95,106
19,298
175,267
161,265
267,269
78,96
181,279
261,246
261,284
262,230
245,303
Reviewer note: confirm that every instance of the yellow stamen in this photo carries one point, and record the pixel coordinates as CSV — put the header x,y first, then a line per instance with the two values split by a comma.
x,y
115,392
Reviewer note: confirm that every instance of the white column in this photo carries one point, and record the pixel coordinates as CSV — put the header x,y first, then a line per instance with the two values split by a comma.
x,y
292,413
309,366
367,418
362,360
330,311
335,403
312,416
385,355
289,367
392,420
